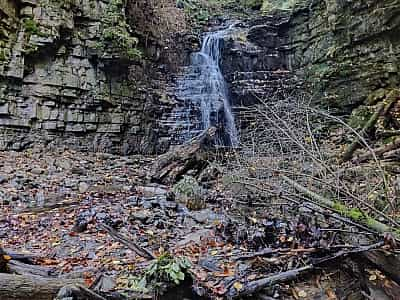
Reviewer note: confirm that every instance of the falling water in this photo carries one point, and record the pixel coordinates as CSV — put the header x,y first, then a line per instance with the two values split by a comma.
x,y
205,95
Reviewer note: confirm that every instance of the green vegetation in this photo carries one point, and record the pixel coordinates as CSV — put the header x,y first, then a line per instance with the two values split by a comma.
x,y
115,35
31,26
271,5
165,270
2,55
201,11
360,116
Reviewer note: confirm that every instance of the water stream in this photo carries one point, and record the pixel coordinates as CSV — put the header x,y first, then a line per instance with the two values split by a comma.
x,y
205,95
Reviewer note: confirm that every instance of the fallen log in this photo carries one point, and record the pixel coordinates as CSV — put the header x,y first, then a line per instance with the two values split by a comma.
x,y
378,151
169,167
127,242
257,285
22,287
382,108
23,257
19,268
355,215
385,261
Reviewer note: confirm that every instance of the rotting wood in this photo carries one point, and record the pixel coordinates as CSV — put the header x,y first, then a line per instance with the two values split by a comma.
x,y
387,262
378,151
22,287
169,167
382,108
365,220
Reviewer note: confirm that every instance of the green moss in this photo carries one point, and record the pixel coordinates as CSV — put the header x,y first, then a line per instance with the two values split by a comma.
x,y
115,35
360,116
31,26
272,5
353,213
2,55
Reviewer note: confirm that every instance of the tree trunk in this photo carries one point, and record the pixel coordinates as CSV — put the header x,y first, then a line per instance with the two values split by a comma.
x,y
17,287
169,167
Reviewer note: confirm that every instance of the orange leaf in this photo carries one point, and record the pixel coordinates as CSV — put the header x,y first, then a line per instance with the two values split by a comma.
x,y
7,257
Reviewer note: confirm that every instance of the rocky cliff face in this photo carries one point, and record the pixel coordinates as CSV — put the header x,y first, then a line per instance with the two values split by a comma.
x,y
349,51
64,81
71,73
345,53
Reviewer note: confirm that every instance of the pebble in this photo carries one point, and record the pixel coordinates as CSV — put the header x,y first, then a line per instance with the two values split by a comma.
x,y
83,187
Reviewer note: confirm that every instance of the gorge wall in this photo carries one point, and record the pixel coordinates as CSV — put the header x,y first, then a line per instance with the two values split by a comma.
x,y
348,51
345,54
84,73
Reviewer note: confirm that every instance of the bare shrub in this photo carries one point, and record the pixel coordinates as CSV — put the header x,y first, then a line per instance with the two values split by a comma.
x,y
286,141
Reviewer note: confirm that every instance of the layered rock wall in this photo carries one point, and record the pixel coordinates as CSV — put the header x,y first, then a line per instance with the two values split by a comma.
x,y
348,51
63,82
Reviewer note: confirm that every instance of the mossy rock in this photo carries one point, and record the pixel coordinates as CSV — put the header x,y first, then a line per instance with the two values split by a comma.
x,y
2,55
360,116
273,5
188,192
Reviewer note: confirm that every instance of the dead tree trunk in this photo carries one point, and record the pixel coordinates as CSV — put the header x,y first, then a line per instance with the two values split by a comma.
x,y
17,287
190,156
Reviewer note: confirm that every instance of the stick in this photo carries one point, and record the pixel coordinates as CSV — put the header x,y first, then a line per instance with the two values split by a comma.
x,y
20,268
257,285
382,107
128,243
378,151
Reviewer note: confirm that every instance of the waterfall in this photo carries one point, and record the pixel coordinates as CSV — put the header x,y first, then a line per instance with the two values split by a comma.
x,y
205,95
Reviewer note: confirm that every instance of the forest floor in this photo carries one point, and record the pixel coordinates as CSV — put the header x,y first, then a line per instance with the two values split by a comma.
x,y
60,206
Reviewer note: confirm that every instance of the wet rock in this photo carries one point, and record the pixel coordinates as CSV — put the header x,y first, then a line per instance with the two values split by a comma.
x,y
151,191
78,171
37,171
63,164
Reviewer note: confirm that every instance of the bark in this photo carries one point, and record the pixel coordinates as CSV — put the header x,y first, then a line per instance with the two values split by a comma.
x,y
387,262
18,287
20,268
382,108
169,167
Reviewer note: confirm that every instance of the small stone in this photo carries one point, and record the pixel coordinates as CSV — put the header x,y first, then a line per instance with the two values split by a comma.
x,y
201,216
3,179
37,171
142,216
83,187
147,205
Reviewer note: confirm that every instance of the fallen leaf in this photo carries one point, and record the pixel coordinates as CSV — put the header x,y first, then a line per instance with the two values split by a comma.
x,y
238,286
302,294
